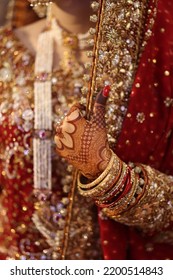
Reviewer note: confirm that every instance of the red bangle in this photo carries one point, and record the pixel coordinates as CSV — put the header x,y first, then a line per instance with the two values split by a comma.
x,y
127,183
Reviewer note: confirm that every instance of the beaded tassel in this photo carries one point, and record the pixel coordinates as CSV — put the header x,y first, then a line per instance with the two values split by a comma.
x,y
43,112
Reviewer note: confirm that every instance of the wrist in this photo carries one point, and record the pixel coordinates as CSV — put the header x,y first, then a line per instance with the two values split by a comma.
x,y
96,168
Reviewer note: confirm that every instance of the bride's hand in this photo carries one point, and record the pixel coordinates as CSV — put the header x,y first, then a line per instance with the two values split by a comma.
x,y
84,143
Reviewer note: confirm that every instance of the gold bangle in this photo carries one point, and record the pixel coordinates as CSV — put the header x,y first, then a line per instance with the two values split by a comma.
x,y
112,185
104,185
122,183
140,195
127,202
117,186
100,178
123,203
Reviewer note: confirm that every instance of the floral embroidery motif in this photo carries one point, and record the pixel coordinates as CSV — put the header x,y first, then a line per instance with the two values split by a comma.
x,y
168,102
140,117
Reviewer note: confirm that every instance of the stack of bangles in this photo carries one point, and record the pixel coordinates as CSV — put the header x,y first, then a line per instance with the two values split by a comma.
x,y
118,188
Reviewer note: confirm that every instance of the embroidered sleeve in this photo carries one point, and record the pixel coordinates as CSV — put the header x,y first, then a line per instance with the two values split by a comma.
x,y
153,212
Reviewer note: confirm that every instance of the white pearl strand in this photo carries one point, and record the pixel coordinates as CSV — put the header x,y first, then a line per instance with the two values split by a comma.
x,y
43,102
43,112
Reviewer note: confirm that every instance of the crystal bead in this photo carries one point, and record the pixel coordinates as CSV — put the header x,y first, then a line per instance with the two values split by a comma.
x,y
107,83
102,57
22,257
42,197
121,16
69,168
141,182
27,126
130,43
26,152
59,206
90,42
149,32
78,84
4,107
137,5
87,65
5,74
28,115
116,60
83,101
86,77
139,190
42,134
20,80
56,256
92,31
57,242
66,188
95,6
26,57
56,217
123,108
111,139
43,257
65,200
9,44
63,212
127,59
138,169
84,90
131,164
93,18
90,54
53,208
54,80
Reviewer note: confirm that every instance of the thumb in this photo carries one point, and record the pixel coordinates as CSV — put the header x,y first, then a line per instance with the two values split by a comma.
x,y
99,107
101,98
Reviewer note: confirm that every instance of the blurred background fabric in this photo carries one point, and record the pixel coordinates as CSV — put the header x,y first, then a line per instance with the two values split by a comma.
x,y
3,11
16,13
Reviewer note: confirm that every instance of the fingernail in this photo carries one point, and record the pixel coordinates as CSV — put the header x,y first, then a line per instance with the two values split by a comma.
x,y
106,91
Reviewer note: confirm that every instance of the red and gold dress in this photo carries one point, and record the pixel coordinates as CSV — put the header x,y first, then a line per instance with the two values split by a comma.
x,y
139,115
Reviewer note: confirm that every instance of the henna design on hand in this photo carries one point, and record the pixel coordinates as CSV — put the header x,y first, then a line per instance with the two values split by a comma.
x,y
84,143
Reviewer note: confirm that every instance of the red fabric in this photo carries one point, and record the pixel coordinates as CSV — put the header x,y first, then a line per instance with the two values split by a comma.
x,y
149,142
